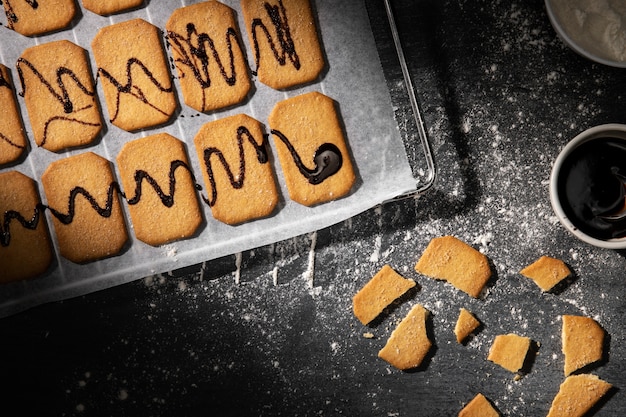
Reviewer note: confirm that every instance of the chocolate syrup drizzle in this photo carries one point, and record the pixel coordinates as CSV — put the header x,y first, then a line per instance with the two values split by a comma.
x,y
238,181
12,18
192,48
328,160
130,88
4,83
5,233
166,199
278,17
103,211
62,97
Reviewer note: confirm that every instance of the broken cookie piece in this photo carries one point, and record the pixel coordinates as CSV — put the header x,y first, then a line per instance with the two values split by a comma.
x,y
577,394
509,351
583,342
480,406
546,272
408,344
465,325
385,287
453,260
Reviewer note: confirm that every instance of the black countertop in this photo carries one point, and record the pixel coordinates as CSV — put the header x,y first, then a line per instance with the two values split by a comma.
x,y
247,335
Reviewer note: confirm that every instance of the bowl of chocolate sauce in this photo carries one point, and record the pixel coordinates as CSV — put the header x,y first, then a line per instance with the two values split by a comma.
x,y
588,186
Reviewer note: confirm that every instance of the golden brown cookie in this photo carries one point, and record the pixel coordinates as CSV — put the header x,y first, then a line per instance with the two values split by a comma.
x,y
159,188
312,149
25,247
582,342
465,325
577,395
546,272
86,212
237,172
206,47
108,7
36,17
454,261
408,344
379,292
509,351
134,73
284,40
12,137
480,406
60,97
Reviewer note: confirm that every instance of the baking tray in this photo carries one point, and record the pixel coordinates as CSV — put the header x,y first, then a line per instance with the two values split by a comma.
x,y
384,131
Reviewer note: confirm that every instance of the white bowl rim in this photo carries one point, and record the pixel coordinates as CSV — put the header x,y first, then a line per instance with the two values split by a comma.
x,y
615,130
573,45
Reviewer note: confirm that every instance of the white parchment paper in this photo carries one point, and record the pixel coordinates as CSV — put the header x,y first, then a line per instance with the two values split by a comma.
x,y
353,78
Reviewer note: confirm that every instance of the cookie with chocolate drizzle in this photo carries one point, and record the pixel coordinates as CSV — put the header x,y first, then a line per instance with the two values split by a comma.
x,y
135,77
60,95
311,148
83,200
207,52
160,189
284,40
25,246
237,171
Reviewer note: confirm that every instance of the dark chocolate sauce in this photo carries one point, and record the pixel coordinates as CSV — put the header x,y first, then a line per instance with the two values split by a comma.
x,y
591,187
61,96
238,181
284,41
10,215
130,88
105,211
192,48
166,199
327,159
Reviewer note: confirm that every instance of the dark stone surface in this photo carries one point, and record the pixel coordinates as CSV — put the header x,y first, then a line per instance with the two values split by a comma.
x,y
246,335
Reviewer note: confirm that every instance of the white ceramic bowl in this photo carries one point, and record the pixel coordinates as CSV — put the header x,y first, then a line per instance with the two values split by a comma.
x,y
602,38
617,131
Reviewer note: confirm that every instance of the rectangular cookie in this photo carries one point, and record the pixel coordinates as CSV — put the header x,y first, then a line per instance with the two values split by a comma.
x,y
285,43
25,247
206,47
108,7
311,148
237,172
85,208
60,96
160,189
12,137
134,73
36,17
